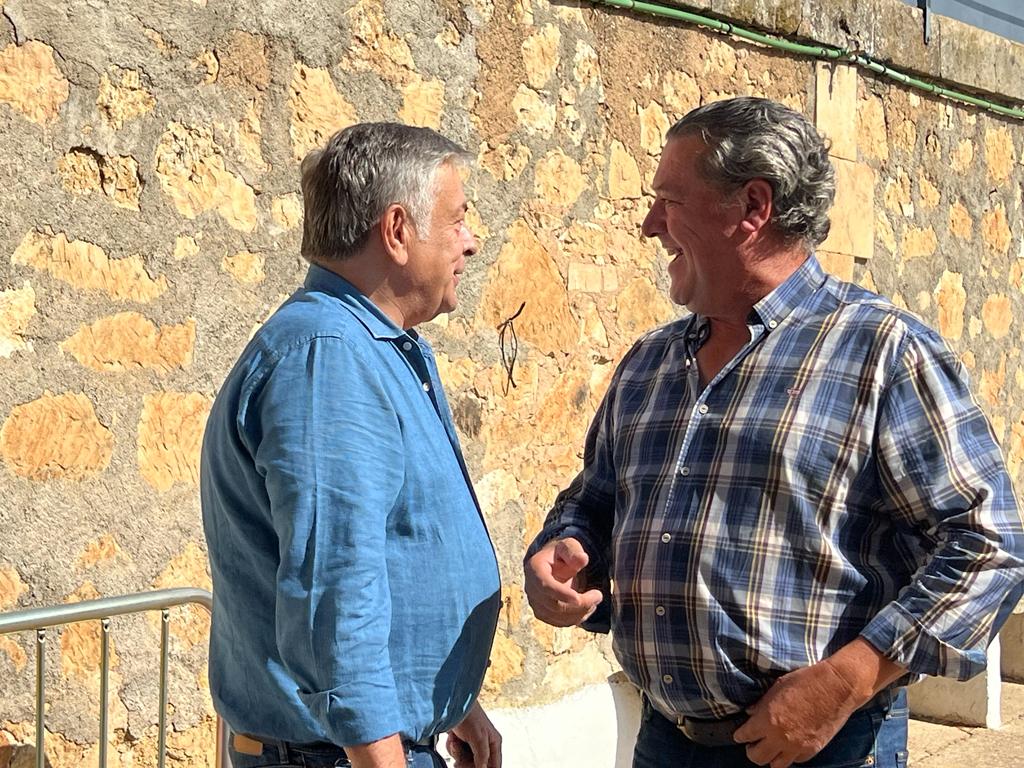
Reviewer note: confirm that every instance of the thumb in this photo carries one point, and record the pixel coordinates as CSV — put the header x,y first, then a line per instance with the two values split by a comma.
x,y
570,558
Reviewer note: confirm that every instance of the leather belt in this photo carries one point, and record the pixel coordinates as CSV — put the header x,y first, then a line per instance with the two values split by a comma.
x,y
245,744
711,733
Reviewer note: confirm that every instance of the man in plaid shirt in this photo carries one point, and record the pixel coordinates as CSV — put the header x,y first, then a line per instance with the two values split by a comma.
x,y
790,504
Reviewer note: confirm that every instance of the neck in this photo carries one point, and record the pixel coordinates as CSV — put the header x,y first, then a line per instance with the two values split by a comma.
x,y
768,266
369,272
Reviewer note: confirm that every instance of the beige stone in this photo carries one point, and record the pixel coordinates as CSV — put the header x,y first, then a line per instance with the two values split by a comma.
x,y
506,664
680,92
373,45
79,172
124,100
884,232
838,264
591,278
586,68
317,109
960,222
121,182
494,490
951,298
640,307
898,194
17,308
992,383
872,138
995,230
185,247
999,154
835,101
571,671
170,434
963,156
286,211
918,243
250,136
11,587
532,112
558,180
623,174
654,125
55,437
18,658
242,61
903,135
852,232
80,643
128,341
506,161
540,55
100,551
997,314
422,102
85,265
524,271
930,195
192,173
245,267
31,82
190,624
208,61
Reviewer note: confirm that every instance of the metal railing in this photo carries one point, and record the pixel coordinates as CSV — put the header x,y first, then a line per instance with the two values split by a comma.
x,y
102,609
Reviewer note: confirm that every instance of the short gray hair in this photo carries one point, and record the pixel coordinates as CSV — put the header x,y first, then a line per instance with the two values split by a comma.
x,y
750,138
361,170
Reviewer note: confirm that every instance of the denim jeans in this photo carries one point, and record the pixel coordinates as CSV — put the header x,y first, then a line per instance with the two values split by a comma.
x,y
278,754
875,736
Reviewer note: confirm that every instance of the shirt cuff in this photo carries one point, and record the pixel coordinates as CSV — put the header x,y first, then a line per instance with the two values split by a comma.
x,y
902,640
351,716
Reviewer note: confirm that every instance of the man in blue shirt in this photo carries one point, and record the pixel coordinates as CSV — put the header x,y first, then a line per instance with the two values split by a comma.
x,y
355,585
789,497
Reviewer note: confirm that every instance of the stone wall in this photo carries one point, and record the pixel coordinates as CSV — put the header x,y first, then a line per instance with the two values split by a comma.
x,y
150,222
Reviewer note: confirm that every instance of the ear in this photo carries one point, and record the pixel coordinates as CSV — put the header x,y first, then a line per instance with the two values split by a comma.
x,y
756,198
396,232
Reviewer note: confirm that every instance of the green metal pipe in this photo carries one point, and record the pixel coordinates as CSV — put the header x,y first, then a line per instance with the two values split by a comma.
x,y
826,52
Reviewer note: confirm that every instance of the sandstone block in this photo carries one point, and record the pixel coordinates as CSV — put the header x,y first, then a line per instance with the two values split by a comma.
x,y
245,267
11,587
31,82
101,550
185,247
506,161
532,112
17,308
592,278
930,195
242,60
318,110
170,435
680,93
128,341
640,306
852,232
540,55
192,173
963,156
960,222
654,124
995,230
191,625
997,315
586,69
373,45
835,101
951,299
85,265
999,154
558,180
123,98
55,436
918,243
623,174
506,664
79,172
838,264
872,138
80,643
422,102
286,211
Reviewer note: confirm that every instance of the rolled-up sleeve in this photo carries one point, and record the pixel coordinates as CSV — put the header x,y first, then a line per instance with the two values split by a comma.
x,y
328,445
943,476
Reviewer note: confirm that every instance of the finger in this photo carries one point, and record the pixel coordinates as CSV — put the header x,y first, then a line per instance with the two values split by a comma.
x,y
495,761
570,558
781,761
762,752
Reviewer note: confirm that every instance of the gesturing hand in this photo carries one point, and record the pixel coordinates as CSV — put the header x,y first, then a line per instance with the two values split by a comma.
x,y
554,584
475,742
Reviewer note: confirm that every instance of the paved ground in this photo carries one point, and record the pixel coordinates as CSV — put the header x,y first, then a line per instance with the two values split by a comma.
x,y
944,746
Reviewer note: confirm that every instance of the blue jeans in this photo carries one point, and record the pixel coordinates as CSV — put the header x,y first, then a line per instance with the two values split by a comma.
x,y
875,736
279,754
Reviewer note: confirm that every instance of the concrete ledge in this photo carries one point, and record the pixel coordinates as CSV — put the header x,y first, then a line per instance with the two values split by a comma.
x,y
961,56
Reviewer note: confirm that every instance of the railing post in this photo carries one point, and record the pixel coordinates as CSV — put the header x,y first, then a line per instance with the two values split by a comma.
x,y
104,688
40,696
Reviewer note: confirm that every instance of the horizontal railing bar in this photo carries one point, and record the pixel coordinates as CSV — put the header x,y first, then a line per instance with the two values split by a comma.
x,y
102,608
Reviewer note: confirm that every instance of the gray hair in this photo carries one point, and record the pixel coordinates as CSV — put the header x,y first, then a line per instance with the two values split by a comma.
x,y
361,170
751,138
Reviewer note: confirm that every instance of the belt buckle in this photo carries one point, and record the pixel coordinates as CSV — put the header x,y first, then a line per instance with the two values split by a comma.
x,y
710,733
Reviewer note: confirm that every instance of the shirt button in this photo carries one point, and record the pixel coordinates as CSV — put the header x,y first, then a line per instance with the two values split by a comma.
x,y
666,537
773,323
660,610
406,345
703,408
426,386
667,679
684,471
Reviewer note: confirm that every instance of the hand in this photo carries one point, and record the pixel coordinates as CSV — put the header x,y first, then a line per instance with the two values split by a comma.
x,y
475,742
798,716
554,584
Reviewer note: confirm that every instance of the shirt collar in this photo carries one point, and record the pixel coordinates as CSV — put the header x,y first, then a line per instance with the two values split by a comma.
x,y
379,325
777,305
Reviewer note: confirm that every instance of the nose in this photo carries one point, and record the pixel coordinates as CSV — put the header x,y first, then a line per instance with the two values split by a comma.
x,y
652,224
470,244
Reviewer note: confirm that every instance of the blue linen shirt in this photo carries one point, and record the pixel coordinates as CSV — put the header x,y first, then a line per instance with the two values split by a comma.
x,y
835,479
355,586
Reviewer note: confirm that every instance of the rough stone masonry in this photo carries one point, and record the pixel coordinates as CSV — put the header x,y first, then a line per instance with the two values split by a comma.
x,y
150,221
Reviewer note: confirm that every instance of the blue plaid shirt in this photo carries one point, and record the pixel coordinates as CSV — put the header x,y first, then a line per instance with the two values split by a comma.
x,y
835,479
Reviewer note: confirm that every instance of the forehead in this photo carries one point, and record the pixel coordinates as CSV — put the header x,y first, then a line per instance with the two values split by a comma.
x,y
679,163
